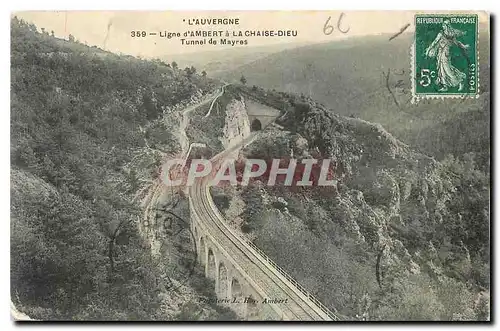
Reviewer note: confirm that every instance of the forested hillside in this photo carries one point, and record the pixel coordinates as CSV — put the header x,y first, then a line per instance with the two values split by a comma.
x,y
400,237
369,77
79,116
403,236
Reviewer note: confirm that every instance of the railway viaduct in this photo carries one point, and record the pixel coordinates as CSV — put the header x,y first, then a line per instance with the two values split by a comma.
x,y
246,280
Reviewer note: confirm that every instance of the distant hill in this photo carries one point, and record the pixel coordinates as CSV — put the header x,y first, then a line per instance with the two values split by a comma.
x,y
217,61
350,77
328,71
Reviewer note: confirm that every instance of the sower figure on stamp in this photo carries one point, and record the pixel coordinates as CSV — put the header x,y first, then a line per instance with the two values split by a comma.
x,y
447,75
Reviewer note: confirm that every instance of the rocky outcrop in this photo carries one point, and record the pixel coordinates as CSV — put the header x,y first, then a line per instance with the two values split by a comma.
x,y
237,125
390,197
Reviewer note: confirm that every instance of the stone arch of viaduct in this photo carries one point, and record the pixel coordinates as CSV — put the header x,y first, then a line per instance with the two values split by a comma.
x,y
233,290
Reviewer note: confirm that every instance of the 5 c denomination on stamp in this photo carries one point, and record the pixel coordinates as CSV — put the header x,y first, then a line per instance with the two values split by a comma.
x,y
445,59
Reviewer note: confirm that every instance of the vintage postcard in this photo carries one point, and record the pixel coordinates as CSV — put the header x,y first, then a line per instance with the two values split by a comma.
x,y
250,166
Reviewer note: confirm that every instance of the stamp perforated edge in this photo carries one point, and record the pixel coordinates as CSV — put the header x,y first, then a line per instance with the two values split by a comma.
x,y
415,98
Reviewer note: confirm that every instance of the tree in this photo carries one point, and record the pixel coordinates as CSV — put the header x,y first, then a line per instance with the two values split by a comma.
x,y
190,71
204,73
76,246
243,80
52,33
174,65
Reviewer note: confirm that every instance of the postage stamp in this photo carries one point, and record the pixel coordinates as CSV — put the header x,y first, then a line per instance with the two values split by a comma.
x,y
445,57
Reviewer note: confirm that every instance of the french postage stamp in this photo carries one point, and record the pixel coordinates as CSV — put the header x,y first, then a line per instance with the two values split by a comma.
x,y
445,57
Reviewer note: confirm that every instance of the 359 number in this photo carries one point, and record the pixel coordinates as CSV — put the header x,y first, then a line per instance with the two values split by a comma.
x,y
138,34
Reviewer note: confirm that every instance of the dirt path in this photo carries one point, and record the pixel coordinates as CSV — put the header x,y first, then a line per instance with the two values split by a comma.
x,y
215,99
183,138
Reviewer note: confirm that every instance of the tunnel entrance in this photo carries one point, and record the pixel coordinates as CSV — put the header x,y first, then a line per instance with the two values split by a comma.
x,y
256,125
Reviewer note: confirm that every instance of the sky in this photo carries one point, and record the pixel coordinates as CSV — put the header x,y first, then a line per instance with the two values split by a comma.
x,y
111,30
